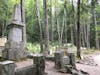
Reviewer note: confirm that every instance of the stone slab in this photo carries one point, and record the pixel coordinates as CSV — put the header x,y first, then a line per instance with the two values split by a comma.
x,y
39,60
72,59
28,70
65,61
13,54
7,68
58,55
25,67
15,35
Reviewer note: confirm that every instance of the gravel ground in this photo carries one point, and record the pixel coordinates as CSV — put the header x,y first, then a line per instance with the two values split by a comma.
x,y
92,70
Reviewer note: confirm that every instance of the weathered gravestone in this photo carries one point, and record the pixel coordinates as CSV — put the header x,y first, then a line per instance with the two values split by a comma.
x,y
15,50
58,59
15,46
27,70
72,59
39,60
7,68
64,63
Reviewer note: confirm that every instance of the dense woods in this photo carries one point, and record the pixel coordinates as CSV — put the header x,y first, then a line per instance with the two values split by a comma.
x,y
56,21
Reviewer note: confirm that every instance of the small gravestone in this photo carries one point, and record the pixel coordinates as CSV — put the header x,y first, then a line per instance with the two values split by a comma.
x,y
65,61
7,68
14,49
58,59
72,59
39,60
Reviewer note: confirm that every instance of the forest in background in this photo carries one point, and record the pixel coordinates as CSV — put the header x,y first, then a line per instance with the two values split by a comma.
x,y
61,21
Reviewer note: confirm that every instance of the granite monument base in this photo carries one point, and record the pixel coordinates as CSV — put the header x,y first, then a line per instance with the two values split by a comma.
x,y
14,51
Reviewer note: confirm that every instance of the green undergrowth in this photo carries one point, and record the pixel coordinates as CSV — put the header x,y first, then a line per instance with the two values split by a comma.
x,y
90,51
35,48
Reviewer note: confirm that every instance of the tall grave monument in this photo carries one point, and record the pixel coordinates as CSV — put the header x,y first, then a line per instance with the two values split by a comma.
x,y
14,49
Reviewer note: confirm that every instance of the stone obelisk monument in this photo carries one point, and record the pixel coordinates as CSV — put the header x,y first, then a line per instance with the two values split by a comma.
x,y
15,48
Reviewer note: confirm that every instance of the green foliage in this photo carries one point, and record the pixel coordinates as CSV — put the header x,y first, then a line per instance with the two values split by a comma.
x,y
35,48
6,9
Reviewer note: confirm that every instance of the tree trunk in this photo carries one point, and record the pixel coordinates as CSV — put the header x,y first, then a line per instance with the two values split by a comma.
x,y
23,20
96,33
82,36
58,32
71,29
46,27
57,24
74,24
93,3
39,25
84,31
51,20
88,32
78,30
62,30
65,19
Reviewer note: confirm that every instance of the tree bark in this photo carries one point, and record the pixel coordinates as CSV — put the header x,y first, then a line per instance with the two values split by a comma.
x,y
84,33
46,27
88,32
78,30
93,3
39,26
57,24
96,33
74,24
62,30
58,32
51,20
71,30
82,36
65,19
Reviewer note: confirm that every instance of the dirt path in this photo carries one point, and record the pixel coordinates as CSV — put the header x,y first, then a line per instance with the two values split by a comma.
x,y
92,70
51,70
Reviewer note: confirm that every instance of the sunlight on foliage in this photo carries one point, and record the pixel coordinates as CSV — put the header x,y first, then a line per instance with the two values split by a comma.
x,y
35,48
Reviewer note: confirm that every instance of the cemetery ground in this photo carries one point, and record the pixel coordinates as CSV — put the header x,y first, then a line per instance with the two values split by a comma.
x,y
90,62
92,69
55,56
